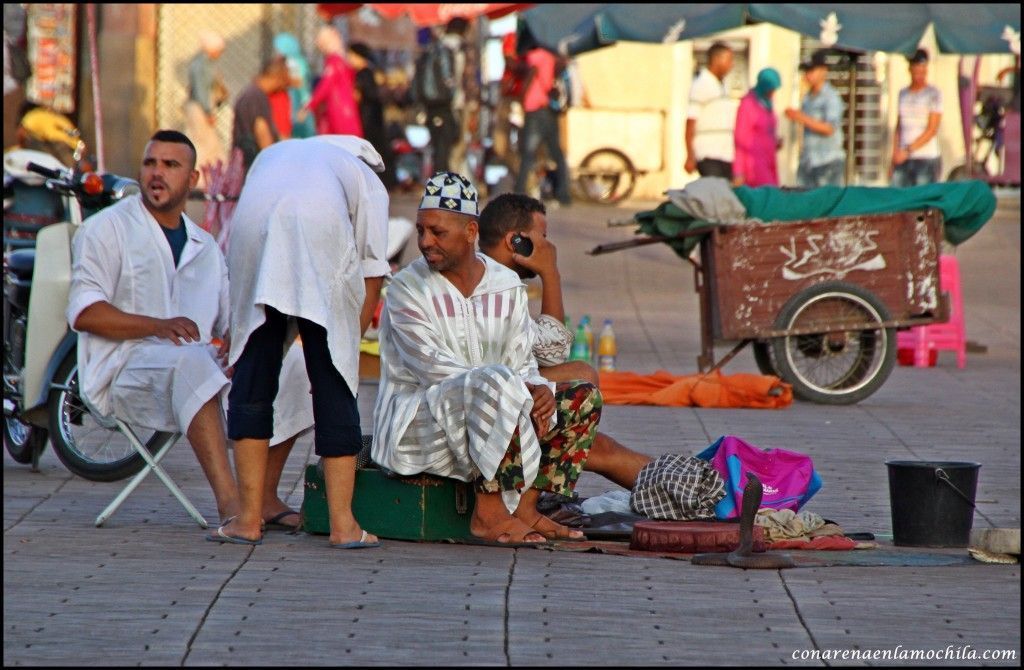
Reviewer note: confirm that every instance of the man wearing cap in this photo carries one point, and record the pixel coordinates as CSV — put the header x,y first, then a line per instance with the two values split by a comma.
x,y
915,150
308,250
460,394
822,156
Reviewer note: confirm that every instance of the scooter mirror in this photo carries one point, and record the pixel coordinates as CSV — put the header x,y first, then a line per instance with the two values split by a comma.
x,y
122,188
418,136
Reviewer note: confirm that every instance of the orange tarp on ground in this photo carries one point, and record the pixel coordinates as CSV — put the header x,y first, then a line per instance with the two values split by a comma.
x,y
698,390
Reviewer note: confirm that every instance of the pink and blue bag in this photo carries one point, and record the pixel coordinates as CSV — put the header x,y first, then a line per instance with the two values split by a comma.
x,y
789,478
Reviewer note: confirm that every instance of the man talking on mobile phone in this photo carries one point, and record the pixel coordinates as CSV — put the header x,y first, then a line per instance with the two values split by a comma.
x,y
513,232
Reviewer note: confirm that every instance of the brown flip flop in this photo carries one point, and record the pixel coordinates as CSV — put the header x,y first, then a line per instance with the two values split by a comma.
x,y
512,528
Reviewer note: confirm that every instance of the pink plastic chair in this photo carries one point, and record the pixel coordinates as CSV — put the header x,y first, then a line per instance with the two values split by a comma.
x,y
948,336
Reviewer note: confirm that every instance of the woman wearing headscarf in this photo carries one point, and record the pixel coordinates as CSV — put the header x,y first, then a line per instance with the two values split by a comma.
x,y
301,89
333,98
755,139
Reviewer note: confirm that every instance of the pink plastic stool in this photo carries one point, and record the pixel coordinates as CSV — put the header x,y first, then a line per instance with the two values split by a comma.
x,y
940,336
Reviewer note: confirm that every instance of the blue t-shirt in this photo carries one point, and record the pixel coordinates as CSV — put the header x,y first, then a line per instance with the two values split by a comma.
x,y
176,237
825,106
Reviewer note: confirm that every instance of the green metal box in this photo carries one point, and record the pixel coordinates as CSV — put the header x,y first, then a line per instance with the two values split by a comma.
x,y
423,507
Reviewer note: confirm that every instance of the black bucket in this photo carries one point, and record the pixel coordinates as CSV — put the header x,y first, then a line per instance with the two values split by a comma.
x,y
932,502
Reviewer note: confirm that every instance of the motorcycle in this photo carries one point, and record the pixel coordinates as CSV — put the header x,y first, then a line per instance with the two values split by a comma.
x,y
40,362
48,139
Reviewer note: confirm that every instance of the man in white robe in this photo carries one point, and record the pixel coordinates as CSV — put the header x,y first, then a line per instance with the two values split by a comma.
x,y
460,395
308,250
148,294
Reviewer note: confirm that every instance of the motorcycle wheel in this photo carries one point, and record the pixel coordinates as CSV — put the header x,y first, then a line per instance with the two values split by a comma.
x,y
22,440
86,447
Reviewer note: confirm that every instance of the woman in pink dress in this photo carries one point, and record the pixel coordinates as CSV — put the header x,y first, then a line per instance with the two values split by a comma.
x,y
333,99
754,162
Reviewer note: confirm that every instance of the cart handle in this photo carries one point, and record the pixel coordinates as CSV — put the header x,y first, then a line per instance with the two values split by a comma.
x,y
651,239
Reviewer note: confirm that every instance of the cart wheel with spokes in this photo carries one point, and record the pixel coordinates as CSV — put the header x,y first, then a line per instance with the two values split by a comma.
x,y
838,357
763,356
606,176
86,447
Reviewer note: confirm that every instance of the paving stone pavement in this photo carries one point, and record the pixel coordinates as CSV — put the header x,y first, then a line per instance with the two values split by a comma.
x,y
147,590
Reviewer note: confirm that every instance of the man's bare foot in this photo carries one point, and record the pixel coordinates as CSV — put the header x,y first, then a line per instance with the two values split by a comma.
x,y
552,530
351,533
508,531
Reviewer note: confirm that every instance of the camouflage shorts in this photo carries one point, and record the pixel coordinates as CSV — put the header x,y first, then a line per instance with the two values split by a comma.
x,y
563,450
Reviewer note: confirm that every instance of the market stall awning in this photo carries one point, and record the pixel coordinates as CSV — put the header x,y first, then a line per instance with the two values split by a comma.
x,y
430,14
959,28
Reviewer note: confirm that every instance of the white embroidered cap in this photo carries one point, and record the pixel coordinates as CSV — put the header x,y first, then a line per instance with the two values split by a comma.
x,y
452,192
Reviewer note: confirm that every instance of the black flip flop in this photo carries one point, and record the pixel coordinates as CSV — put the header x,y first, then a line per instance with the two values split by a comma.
x,y
275,522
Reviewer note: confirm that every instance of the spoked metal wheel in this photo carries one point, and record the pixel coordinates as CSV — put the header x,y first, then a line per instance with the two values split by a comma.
x,y
85,446
839,353
606,176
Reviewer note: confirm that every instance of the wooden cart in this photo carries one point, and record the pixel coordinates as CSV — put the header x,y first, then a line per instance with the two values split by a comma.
x,y
820,300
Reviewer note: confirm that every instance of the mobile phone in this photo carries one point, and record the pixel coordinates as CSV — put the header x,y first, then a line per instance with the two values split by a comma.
x,y
522,245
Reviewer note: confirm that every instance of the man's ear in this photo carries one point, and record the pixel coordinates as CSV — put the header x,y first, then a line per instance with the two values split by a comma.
x,y
193,179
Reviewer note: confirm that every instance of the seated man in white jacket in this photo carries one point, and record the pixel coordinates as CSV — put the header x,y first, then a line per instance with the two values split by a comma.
x,y
460,395
149,292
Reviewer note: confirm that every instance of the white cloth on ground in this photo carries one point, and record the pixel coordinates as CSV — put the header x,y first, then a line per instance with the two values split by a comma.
x,y
453,373
782,524
311,224
121,256
609,501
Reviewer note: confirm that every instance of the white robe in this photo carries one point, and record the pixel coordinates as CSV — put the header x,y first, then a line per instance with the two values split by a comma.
x,y
311,223
452,388
121,256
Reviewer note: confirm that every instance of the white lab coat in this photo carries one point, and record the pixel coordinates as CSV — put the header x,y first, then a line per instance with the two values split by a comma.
x,y
311,223
121,256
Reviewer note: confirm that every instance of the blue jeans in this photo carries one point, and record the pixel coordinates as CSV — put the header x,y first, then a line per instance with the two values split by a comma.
x,y
829,174
542,126
915,172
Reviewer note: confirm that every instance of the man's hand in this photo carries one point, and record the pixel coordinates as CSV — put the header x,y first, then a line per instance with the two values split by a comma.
x,y
177,329
900,156
691,164
543,406
543,260
223,349
794,114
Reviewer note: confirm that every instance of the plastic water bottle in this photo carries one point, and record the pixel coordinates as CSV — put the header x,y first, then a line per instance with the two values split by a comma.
x,y
579,346
606,348
589,332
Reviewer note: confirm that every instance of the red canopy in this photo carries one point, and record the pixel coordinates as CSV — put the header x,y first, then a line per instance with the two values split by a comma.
x,y
430,14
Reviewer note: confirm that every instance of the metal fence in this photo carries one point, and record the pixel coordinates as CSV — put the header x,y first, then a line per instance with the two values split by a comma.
x,y
248,31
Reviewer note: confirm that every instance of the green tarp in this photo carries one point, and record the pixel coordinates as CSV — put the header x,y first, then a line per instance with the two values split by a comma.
x,y
966,206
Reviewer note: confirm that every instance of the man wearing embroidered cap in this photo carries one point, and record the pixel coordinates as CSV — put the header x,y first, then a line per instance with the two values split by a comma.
x,y
460,394
308,250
